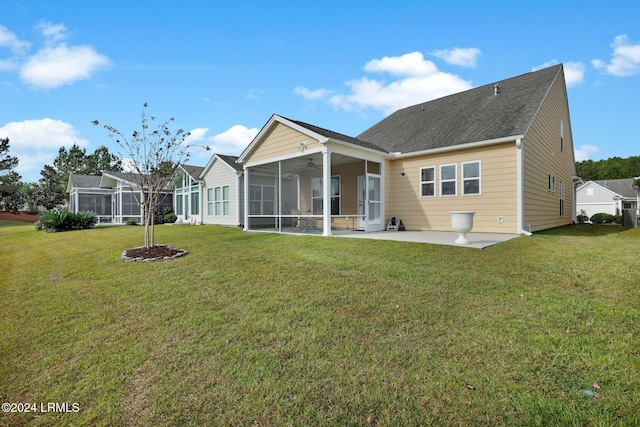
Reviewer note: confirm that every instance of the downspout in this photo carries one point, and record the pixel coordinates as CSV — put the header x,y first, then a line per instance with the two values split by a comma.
x,y
520,187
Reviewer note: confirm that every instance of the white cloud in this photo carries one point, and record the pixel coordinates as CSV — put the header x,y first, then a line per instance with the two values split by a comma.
x,y
36,142
625,61
585,152
312,94
573,71
464,57
52,32
41,134
56,63
230,142
196,135
418,80
410,64
61,65
10,40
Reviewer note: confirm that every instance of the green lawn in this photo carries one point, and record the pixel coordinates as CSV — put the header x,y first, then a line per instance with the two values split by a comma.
x,y
265,329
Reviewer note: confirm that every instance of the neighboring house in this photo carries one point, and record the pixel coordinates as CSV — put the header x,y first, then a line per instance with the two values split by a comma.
x,y
223,191
609,196
113,196
503,150
188,194
85,194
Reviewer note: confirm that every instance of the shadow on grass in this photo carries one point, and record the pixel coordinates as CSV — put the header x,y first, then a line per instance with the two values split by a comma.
x,y
584,230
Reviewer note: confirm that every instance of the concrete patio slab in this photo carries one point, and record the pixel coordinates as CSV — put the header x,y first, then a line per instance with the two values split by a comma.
x,y
476,240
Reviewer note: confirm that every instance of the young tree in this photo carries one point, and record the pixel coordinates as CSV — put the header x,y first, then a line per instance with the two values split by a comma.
x,y
154,155
11,198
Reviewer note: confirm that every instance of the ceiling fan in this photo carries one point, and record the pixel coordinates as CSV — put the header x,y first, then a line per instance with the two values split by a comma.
x,y
311,165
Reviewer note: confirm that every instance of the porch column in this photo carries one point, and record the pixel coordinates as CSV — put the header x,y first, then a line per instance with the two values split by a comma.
x,y
246,198
326,192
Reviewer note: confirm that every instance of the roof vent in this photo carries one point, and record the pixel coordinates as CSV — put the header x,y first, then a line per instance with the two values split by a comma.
x,y
496,89
422,108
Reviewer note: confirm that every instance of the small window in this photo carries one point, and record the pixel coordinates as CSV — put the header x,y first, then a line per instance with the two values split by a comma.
x,y
448,180
551,183
471,178
561,185
428,182
561,135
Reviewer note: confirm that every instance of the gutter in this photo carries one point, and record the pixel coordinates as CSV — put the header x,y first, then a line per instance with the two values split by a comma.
x,y
458,147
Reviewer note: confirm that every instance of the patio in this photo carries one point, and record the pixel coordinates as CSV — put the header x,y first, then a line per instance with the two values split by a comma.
x,y
477,240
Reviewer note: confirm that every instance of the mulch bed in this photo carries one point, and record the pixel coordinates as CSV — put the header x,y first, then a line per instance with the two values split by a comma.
x,y
154,253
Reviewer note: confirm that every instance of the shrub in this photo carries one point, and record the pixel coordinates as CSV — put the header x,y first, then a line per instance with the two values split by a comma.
x,y
57,219
131,222
602,218
582,218
170,218
85,219
617,219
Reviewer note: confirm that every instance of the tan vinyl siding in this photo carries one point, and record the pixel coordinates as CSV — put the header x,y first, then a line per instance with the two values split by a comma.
x,y
498,198
220,175
281,141
543,156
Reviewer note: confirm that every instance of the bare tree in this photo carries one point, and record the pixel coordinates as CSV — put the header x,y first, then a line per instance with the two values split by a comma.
x,y
153,156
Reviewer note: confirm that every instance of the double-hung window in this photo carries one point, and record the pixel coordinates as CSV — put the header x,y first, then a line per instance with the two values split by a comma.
x,y
471,184
428,181
210,201
261,199
222,201
448,180
316,195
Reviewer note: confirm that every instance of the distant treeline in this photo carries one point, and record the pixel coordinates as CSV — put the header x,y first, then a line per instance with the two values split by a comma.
x,y
613,168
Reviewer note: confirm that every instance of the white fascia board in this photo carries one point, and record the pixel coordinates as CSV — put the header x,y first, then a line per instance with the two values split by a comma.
x,y
358,148
265,129
282,158
210,164
459,147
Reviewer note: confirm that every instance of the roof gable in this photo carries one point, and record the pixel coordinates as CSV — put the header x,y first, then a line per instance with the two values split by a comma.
x,y
475,115
193,171
621,187
228,161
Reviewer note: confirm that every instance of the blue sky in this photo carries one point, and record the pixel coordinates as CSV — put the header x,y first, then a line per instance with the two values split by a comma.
x,y
222,68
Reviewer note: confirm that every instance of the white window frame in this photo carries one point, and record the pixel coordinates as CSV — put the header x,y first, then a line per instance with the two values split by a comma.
x,y
434,182
561,193
337,197
551,182
474,178
209,201
561,135
445,181
262,200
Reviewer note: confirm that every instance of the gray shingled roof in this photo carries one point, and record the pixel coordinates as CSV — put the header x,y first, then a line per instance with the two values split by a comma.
x,y
194,171
85,181
231,161
337,136
620,186
470,116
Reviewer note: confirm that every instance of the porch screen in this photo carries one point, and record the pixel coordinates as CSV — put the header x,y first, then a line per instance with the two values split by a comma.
x,y
100,204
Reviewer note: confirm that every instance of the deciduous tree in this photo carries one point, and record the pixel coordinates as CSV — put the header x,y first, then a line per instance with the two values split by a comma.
x,y
154,154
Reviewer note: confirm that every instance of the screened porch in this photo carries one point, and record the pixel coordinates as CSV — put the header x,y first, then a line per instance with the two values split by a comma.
x,y
290,195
